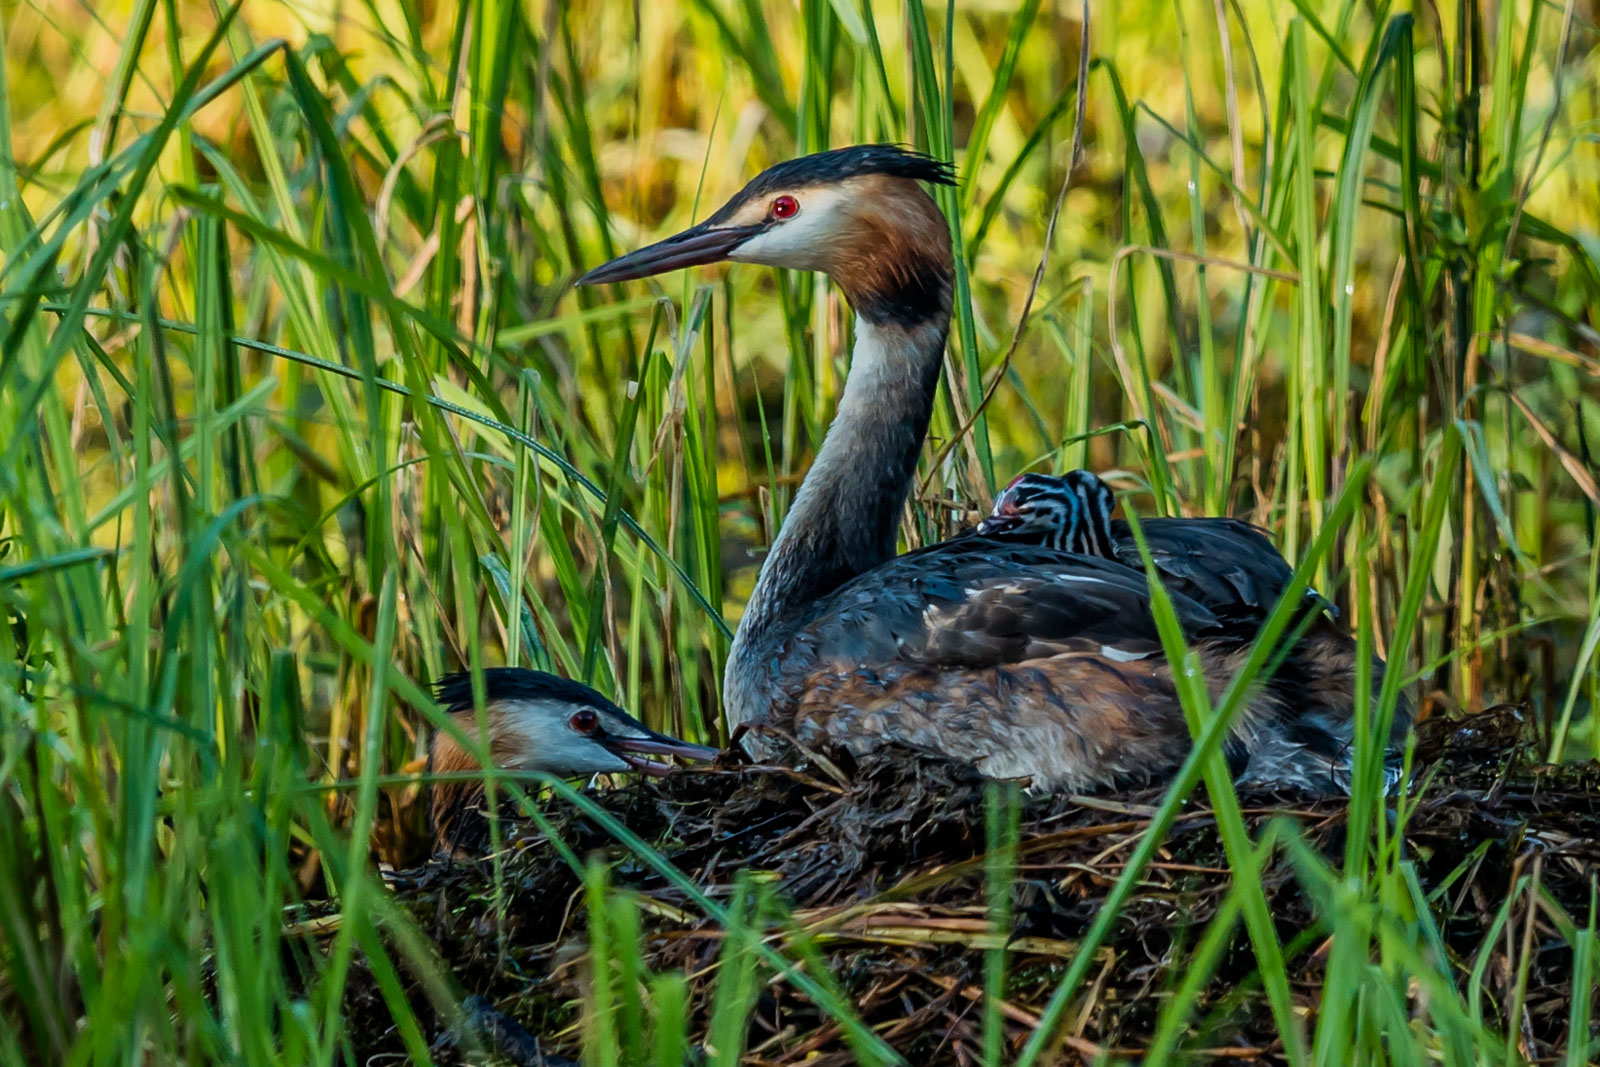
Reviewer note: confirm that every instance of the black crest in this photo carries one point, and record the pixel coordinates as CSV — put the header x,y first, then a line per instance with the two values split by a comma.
x,y
837,164
515,683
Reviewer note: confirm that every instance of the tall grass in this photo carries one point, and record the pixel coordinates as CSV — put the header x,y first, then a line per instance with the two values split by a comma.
x,y
298,411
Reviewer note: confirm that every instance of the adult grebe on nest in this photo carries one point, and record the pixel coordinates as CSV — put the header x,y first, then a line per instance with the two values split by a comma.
x,y
1020,659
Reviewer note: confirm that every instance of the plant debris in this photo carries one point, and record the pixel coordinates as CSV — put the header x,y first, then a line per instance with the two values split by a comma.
x,y
887,874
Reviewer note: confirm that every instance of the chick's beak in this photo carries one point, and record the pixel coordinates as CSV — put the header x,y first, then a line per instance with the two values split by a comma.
x,y
1007,518
694,246
631,749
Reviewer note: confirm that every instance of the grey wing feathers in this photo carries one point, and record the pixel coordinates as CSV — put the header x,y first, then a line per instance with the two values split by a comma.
x,y
977,603
1229,565
1029,662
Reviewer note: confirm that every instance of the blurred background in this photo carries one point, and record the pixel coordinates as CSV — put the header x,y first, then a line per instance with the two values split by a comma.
x,y
300,410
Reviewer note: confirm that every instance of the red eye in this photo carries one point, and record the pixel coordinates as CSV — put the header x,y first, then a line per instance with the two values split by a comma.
x,y
785,207
584,721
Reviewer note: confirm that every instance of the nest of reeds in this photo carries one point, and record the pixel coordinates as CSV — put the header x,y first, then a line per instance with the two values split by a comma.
x,y
887,874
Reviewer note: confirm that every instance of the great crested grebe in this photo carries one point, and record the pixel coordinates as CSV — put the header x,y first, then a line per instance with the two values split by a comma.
x,y
1022,660
537,722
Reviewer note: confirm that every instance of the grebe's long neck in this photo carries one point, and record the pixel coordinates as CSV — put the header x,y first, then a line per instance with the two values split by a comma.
x,y
846,517
894,264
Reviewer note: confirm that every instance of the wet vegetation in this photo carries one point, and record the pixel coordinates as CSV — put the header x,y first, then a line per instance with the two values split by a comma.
x,y
299,411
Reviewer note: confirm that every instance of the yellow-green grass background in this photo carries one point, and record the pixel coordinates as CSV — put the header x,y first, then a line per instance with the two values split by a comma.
x,y
407,193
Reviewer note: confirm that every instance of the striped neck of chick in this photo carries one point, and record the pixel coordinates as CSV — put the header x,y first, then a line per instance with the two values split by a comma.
x,y
1070,513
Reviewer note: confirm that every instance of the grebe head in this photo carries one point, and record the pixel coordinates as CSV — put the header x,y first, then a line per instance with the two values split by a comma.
x,y
539,722
1070,513
1036,509
536,722
856,214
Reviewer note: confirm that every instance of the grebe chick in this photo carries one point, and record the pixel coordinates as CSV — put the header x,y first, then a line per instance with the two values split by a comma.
x,y
1227,564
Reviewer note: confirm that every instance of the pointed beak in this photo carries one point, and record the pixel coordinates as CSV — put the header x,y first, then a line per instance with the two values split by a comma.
x,y
1007,518
630,749
694,246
